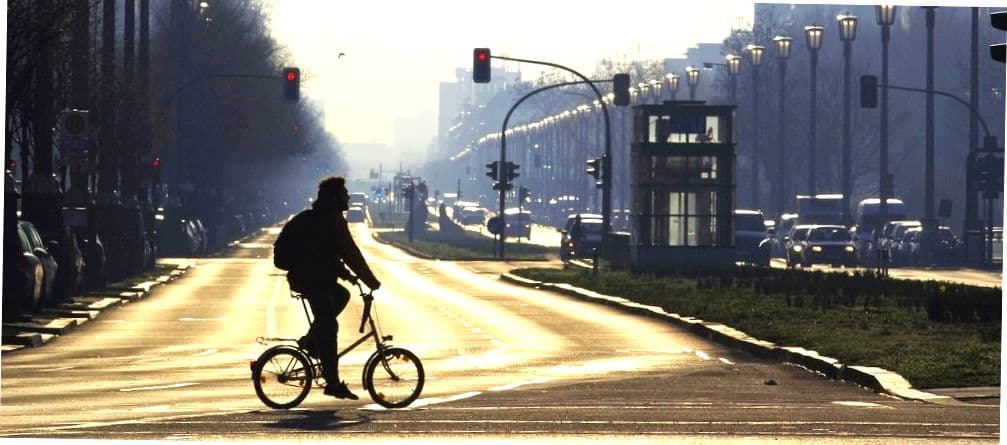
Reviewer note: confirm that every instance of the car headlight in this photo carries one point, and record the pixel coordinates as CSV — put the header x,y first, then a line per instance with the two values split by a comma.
x,y
849,249
797,248
570,244
816,248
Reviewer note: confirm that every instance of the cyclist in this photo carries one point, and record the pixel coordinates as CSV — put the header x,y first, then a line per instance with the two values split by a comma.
x,y
326,250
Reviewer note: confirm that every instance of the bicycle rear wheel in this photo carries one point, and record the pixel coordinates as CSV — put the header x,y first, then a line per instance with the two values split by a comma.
x,y
282,377
394,377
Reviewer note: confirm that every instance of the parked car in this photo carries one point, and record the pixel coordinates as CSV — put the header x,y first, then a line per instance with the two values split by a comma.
x,y
581,236
355,214
22,289
796,244
782,234
178,236
472,215
829,244
49,265
750,245
518,225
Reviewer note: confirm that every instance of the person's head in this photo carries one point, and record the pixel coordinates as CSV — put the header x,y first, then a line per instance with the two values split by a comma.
x,y
332,194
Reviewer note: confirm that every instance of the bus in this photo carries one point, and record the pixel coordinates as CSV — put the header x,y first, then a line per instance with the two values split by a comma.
x,y
820,209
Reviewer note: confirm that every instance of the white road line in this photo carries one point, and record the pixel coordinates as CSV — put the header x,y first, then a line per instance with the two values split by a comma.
x,y
726,361
702,355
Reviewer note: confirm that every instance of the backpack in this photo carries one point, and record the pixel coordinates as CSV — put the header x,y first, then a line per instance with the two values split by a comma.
x,y
289,246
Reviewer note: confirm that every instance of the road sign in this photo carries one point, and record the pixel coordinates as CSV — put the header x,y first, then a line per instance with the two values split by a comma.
x,y
495,225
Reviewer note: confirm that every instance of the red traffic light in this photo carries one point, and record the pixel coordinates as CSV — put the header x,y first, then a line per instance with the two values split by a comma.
x,y
155,163
481,65
291,76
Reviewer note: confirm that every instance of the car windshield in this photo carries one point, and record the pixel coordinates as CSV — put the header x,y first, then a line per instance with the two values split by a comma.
x,y
829,234
800,235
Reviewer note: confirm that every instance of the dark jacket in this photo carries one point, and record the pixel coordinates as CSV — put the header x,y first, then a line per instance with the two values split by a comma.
x,y
329,250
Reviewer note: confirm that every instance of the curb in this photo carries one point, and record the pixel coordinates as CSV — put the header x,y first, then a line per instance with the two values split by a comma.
x,y
873,378
50,323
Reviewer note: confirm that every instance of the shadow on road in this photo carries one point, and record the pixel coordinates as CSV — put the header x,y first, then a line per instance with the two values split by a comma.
x,y
315,420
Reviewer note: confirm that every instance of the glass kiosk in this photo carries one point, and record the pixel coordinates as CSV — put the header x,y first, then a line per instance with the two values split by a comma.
x,y
682,186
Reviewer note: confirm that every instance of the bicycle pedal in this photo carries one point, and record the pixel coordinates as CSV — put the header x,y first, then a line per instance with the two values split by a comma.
x,y
386,338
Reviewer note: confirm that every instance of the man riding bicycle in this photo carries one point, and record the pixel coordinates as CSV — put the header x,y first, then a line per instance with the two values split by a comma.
x,y
324,251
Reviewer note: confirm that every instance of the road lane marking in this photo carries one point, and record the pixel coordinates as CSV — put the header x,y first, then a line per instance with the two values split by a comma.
x,y
155,388
515,385
726,361
64,368
206,352
858,404
702,355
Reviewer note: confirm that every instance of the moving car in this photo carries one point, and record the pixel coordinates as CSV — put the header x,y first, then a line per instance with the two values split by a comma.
x,y
355,214
518,225
472,215
749,236
829,244
796,244
582,236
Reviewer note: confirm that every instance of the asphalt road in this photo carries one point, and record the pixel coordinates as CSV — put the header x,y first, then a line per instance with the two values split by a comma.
x,y
503,363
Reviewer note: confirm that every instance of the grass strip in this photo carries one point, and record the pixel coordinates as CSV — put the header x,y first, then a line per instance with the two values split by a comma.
x,y
884,333
470,247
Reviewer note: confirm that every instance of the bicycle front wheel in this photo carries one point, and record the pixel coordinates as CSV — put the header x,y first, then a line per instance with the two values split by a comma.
x,y
282,377
394,377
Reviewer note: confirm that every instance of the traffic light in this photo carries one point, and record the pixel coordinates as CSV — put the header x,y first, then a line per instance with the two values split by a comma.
x,y
481,65
998,51
155,170
511,171
620,88
291,81
493,170
523,194
868,91
594,168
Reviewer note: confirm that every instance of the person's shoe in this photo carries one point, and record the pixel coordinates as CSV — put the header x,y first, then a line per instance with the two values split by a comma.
x,y
339,390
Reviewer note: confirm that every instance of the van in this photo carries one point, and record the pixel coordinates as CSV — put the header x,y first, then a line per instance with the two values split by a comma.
x,y
869,218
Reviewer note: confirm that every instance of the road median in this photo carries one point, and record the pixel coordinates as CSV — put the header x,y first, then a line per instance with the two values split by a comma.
x,y
835,342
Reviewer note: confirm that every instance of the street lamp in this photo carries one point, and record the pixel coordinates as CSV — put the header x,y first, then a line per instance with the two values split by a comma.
x,y
929,222
755,58
885,18
672,84
733,68
692,75
782,44
847,33
814,39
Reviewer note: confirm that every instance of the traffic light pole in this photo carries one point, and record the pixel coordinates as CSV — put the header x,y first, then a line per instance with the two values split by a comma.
x,y
606,191
501,177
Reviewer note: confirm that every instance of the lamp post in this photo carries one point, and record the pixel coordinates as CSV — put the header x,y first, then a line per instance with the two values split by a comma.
x,y
929,221
782,44
733,68
814,39
672,85
885,17
847,33
755,57
692,75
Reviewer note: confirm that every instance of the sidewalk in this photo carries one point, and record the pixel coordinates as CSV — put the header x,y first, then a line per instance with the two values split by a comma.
x,y
50,323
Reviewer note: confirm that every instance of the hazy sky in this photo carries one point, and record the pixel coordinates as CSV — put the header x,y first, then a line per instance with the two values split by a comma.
x,y
397,52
